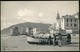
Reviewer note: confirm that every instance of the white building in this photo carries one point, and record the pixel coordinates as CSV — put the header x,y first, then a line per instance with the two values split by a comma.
x,y
70,22
11,31
58,21
27,30
34,31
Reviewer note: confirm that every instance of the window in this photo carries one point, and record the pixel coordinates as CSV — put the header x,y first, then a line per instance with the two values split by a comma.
x,y
67,24
75,20
67,20
75,25
71,24
71,20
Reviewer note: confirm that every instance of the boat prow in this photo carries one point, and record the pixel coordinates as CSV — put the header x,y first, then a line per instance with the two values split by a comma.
x,y
33,40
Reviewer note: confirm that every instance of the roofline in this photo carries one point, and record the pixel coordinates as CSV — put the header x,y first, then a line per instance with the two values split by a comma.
x,y
69,18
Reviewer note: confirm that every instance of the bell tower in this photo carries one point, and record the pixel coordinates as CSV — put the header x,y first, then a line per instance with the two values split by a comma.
x,y
58,16
58,21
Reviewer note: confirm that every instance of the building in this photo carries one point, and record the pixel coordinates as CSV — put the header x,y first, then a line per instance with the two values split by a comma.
x,y
11,31
30,31
34,31
56,27
70,22
58,19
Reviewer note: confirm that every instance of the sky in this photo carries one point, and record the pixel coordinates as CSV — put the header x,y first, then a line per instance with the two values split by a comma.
x,y
14,12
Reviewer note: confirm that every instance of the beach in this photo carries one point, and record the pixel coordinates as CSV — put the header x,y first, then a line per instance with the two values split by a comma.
x,y
19,43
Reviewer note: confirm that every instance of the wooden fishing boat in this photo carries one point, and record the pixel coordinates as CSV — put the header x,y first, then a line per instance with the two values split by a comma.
x,y
39,40
36,40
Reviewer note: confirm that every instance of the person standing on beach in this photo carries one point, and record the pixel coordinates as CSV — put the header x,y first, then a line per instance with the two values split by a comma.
x,y
68,38
54,40
60,39
49,40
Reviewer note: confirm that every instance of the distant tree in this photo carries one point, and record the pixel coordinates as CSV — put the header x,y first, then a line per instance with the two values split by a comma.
x,y
15,31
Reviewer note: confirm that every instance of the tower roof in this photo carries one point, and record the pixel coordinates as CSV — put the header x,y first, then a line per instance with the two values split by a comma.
x,y
58,16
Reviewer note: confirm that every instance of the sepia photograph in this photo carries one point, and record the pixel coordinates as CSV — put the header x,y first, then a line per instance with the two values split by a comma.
x,y
40,26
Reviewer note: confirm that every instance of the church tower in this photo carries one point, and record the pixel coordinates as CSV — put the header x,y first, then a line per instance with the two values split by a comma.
x,y
58,16
58,19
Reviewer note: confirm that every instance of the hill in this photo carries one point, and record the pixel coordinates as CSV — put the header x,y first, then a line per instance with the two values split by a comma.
x,y
25,25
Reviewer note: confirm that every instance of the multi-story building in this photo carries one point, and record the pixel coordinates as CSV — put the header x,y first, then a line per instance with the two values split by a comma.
x,y
69,22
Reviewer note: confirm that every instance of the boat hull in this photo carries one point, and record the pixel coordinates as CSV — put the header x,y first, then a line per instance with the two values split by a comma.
x,y
32,40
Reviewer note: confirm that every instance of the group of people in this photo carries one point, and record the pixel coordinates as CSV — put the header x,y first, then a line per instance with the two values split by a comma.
x,y
59,39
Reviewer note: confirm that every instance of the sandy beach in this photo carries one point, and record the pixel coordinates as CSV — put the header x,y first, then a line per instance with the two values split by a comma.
x,y
19,43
